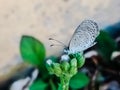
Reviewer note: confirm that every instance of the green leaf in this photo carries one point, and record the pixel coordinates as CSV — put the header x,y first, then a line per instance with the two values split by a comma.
x,y
78,81
106,45
38,85
32,51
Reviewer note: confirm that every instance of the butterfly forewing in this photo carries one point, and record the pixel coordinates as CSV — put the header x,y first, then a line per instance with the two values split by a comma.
x,y
84,36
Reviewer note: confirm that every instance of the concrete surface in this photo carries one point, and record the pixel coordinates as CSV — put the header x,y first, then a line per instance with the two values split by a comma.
x,y
48,18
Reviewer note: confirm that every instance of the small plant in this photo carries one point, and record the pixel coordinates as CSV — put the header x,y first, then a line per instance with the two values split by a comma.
x,y
33,51
66,68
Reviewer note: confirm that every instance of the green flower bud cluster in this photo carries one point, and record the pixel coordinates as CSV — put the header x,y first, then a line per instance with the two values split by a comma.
x,y
66,68
63,68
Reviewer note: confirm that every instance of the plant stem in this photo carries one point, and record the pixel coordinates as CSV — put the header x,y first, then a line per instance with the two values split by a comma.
x,y
64,83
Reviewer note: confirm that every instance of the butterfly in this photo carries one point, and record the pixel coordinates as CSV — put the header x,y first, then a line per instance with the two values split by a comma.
x,y
83,37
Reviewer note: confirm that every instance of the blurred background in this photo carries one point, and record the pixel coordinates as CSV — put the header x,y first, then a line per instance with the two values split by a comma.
x,y
48,18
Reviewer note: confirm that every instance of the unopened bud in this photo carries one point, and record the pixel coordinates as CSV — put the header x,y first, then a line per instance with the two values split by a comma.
x,y
57,69
80,61
49,66
65,66
73,62
73,67
49,61
65,58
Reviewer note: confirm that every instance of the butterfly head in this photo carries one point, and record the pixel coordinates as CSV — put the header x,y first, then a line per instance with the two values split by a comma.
x,y
66,50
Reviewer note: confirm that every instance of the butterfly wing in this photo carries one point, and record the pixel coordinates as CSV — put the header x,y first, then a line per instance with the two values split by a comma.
x,y
84,36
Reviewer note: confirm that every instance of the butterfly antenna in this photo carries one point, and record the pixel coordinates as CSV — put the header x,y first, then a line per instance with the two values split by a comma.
x,y
58,42
54,45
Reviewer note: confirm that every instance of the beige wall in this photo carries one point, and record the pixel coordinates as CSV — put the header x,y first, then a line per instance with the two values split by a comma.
x,y
48,18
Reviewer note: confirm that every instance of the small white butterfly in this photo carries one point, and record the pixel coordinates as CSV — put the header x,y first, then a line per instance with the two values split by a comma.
x,y
83,37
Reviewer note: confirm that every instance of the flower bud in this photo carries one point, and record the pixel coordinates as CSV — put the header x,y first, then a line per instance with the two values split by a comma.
x,y
49,66
73,62
65,66
57,69
80,60
73,67
65,57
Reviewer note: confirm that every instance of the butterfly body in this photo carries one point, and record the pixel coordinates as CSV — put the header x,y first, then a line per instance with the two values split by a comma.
x,y
83,37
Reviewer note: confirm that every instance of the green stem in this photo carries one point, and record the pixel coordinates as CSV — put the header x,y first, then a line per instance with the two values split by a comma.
x,y
64,83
